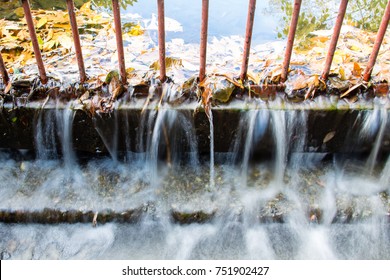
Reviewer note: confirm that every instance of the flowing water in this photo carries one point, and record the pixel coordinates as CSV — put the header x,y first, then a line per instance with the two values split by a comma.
x,y
295,204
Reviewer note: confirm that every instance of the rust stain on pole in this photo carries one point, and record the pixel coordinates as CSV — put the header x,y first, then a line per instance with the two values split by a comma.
x,y
203,39
290,39
248,38
3,71
377,44
119,40
76,39
161,39
335,38
34,41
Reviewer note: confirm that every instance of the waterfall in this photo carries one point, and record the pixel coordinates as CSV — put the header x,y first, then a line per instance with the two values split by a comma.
x,y
45,135
252,127
64,121
378,118
107,127
212,166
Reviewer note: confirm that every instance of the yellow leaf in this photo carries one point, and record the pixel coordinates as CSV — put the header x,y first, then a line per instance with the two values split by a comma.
x,y
65,26
19,12
47,46
136,30
25,57
170,62
23,35
86,8
41,22
129,70
354,48
342,73
40,42
50,34
314,81
65,41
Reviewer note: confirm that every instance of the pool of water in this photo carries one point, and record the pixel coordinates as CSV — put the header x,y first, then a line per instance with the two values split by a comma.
x,y
226,18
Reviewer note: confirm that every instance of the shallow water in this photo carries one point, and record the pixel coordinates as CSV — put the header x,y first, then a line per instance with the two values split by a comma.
x,y
351,208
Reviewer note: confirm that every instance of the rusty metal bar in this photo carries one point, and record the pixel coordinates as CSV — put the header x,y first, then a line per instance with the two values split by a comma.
x,y
248,39
203,39
290,39
3,71
76,40
335,38
378,42
34,41
119,40
161,39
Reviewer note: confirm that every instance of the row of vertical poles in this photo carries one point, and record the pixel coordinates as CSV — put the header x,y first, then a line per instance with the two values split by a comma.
x,y
290,39
334,40
76,39
203,41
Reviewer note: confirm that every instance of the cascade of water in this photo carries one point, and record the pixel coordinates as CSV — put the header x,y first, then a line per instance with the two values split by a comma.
x,y
385,175
252,127
44,135
108,132
212,167
280,136
297,134
64,121
379,118
164,121
168,133
128,156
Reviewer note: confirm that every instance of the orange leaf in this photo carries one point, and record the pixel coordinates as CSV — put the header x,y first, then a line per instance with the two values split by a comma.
x,y
357,70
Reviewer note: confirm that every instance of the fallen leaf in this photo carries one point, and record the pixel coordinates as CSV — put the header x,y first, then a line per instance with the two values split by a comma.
x,y
8,88
329,136
42,21
65,41
351,89
19,12
300,82
136,30
357,70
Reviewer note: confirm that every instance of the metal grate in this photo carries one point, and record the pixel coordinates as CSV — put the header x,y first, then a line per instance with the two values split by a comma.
x,y
203,41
